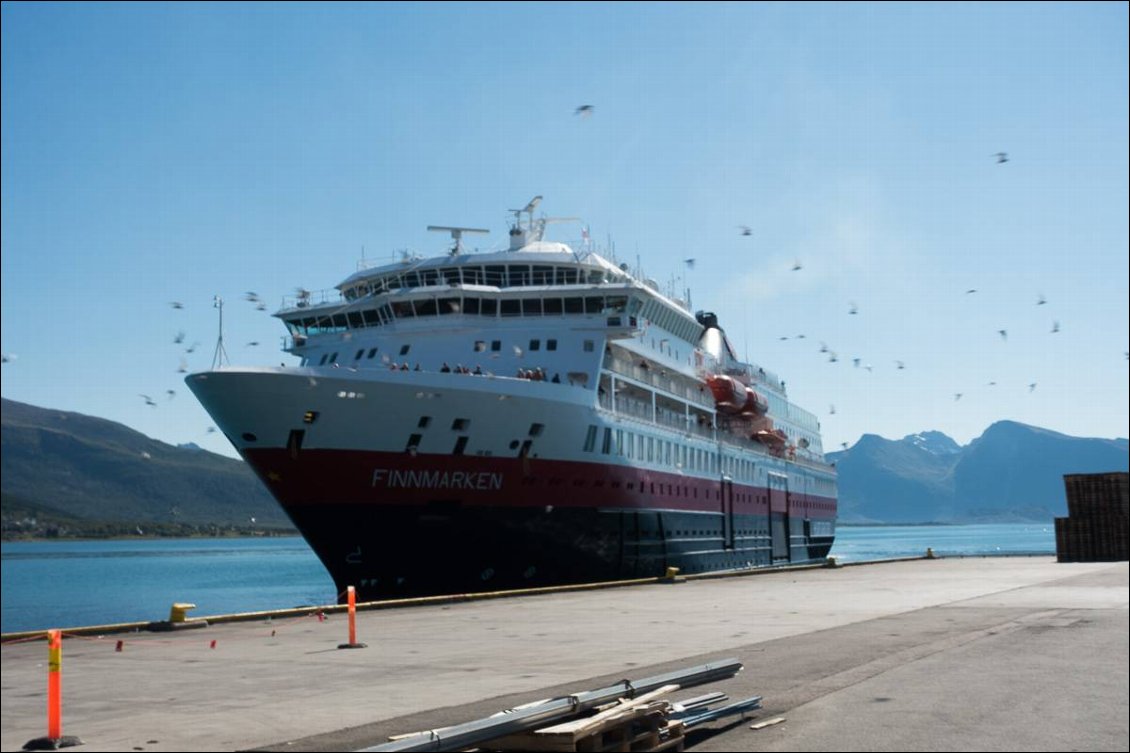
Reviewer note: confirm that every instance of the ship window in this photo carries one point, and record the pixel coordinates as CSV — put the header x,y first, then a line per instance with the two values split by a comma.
x,y
355,320
495,275
333,358
426,307
574,305
359,354
372,318
402,309
325,356
372,352
460,424
411,280
525,451
552,306
339,321
542,275
535,344
413,443
514,445
588,346
472,275
536,429
423,422
470,305
496,345
449,275
511,308
519,275
404,349
590,439
551,344
594,304
450,306
531,306
460,445
606,446
249,437
489,307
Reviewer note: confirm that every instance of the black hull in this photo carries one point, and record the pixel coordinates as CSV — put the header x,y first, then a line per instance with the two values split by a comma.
x,y
443,549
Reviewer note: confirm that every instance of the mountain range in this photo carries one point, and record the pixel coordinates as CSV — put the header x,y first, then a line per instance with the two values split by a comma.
x,y
70,474
1013,472
67,474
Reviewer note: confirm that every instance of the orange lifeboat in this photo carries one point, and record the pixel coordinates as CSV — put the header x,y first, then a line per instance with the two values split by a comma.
x,y
755,404
729,393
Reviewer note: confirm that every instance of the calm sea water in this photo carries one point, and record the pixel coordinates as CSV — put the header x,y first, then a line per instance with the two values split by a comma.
x,y
70,583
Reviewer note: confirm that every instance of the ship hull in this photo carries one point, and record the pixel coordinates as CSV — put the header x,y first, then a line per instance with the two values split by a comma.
x,y
395,520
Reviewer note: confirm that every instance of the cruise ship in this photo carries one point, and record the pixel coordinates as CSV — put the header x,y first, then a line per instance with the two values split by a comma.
x,y
533,416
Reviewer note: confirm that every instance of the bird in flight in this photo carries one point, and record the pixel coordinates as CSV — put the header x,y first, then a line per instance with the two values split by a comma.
x,y
171,393
1032,387
176,304
900,364
797,266
746,229
179,338
1055,327
148,400
971,290
192,348
1040,301
253,343
251,296
183,368
1003,333
956,396
1002,157
832,410
584,111
261,307
854,308
9,357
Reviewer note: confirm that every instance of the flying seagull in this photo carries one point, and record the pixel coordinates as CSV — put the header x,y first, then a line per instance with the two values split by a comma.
x,y
1055,327
1040,301
797,266
1002,157
1003,333
176,304
148,400
971,290
584,111
854,308
746,229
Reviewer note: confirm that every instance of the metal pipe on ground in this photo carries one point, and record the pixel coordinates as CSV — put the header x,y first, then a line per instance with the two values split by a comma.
x,y
522,719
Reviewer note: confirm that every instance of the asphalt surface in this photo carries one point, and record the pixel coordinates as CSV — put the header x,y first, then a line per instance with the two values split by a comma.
x,y
1003,653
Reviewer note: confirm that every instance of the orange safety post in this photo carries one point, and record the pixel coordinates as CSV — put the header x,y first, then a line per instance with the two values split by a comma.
x,y
352,599
54,684
54,739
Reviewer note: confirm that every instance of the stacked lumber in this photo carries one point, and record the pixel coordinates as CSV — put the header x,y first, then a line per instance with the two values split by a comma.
x,y
1098,518
637,724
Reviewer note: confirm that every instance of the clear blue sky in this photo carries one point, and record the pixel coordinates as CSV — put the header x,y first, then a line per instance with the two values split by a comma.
x,y
169,152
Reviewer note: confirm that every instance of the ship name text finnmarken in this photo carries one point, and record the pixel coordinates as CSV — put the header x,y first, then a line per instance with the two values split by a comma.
x,y
394,479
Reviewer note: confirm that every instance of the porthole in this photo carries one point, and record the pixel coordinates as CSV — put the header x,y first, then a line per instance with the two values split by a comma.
x,y
249,437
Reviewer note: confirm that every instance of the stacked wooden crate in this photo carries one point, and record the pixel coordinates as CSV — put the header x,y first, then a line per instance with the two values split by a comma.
x,y
1098,518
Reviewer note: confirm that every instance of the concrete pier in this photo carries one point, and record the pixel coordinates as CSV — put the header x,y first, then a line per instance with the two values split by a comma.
x,y
1000,653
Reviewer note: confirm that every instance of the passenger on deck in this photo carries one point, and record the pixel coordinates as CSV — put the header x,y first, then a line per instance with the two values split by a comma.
x,y
445,369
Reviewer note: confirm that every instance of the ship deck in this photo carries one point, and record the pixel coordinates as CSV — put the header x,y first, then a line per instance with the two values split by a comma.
x,y
1003,653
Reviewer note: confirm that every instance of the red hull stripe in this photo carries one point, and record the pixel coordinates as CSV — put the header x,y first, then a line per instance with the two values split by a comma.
x,y
314,477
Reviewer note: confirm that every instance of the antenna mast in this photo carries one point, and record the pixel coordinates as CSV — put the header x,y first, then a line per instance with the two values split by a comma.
x,y
221,355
